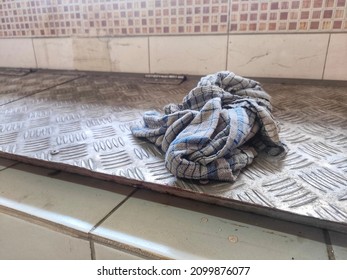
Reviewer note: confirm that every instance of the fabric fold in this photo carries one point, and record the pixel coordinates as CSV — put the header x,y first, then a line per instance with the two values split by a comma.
x,y
212,135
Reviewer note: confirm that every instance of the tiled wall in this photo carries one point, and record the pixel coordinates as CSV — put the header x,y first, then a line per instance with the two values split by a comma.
x,y
138,17
272,38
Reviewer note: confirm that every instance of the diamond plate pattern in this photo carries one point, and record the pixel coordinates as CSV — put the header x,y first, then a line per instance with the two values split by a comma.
x,y
83,125
15,85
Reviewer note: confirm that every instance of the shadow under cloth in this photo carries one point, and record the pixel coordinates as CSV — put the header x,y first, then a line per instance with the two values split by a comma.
x,y
216,131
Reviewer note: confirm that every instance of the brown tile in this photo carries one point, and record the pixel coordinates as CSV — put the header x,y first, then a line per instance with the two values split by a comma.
x,y
243,17
306,4
233,27
253,17
283,16
254,6
273,16
272,26
341,3
328,14
337,24
314,25
304,15
264,6
252,27
263,16
316,14
292,25
295,4
274,6
329,3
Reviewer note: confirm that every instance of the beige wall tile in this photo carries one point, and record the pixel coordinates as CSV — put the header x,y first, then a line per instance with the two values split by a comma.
x,y
196,55
336,65
21,239
17,53
129,54
107,253
54,53
91,54
287,56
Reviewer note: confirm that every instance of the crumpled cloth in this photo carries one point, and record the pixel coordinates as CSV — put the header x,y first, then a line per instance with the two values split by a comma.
x,y
216,131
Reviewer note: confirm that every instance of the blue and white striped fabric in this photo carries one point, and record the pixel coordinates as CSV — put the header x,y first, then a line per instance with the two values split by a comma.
x,y
212,135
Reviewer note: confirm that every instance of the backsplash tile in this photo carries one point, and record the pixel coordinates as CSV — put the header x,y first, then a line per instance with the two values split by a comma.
x,y
60,18
288,16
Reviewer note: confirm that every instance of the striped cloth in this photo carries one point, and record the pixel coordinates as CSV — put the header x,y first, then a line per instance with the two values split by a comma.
x,y
216,131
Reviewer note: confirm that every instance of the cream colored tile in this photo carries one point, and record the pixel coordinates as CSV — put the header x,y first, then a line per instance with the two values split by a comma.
x,y
17,53
196,55
339,244
54,53
278,55
177,228
91,54
107,253
5,163
71,200
20,239
129,54
336,65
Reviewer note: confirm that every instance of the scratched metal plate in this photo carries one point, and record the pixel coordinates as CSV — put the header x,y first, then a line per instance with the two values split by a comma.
x,y
16,84
83,126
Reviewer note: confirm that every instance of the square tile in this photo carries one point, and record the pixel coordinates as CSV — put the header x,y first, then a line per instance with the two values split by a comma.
x,y
91,54
54,53
178,228
288,56
129,54
339,244
22,240
103,252
196,55
71,200
17,53
336,64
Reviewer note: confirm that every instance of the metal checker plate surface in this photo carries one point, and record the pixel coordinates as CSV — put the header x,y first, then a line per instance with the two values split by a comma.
x,y
15,85
83,125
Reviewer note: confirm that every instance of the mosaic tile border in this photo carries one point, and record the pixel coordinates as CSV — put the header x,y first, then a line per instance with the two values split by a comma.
x,y
58,18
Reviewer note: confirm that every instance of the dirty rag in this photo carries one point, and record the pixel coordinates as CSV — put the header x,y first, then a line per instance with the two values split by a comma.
x,y
217,129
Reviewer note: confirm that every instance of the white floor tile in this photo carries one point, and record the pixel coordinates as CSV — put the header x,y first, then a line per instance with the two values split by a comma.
x,y
71,200
106,253
20,239
182,229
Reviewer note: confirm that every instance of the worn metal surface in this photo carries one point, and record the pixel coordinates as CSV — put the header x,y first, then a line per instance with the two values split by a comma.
x,y
18,84
83,126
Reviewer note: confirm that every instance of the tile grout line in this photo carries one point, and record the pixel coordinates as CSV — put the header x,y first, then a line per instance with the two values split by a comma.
x,y
326,57
112,211
329,246
149,55
32,43
228,34
92,249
